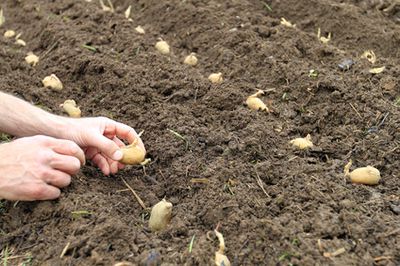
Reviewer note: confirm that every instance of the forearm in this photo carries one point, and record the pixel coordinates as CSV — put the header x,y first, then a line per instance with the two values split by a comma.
x,y
22,119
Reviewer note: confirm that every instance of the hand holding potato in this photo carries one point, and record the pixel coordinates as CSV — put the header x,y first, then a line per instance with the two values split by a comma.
x,y
101,138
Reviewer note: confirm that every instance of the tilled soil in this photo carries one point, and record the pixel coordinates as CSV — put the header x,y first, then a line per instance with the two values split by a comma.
x,y
275,205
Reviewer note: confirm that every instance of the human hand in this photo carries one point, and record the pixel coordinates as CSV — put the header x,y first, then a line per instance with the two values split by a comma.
x,y
34,168
101,139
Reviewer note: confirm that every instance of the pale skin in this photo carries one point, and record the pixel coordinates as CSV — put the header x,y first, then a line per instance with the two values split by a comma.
x,y
50,149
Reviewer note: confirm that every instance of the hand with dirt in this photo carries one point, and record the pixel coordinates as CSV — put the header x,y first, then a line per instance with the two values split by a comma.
x,y
100,138
35,168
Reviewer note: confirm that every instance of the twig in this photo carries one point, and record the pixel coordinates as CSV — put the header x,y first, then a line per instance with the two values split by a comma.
x,y
134,193
382,258
65,249
352,106
51,48
260,184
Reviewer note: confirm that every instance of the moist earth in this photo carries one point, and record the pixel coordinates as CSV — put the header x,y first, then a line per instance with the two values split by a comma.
x,y
275,205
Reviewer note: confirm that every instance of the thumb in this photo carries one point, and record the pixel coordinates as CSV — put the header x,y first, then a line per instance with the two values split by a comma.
x,y
106,146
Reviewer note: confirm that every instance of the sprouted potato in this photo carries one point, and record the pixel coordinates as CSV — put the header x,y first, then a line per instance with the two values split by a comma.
x,y
133,154
377,70
370,56
255,103
160,216
20,42
287,23
323,39
220,257
216,78
32,59
71,109
191,60
52,82
302,143
364,175
109,8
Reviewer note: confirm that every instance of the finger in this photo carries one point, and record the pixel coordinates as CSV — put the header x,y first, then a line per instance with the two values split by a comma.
x,y
41,192
58,179
68,147
125,132
65,163
113,166
102,163
106,146
121,166
118,142
91,152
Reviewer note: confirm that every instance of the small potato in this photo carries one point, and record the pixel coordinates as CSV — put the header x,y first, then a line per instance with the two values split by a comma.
x,y
255,103
160,216
20,42
32,59
216,78
191,60
302,143
71,109
163,47
52,82
9,34
364,175
133,154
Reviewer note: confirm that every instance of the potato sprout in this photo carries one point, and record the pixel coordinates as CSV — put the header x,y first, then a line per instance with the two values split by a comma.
x,y
255,103
133,154
323,39
71,109
32,59
20,42
128,12
370,56
364,175
52,82
2,18
160,216
287,23
220,258
377,70
140,30
216,78
191,60
162,47
302,143
9,34
109,8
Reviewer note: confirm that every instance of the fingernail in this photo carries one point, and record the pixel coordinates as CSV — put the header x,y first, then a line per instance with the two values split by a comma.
x,y
117,155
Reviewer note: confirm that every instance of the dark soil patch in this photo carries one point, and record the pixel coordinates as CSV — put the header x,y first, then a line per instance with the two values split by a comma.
x,y
126,79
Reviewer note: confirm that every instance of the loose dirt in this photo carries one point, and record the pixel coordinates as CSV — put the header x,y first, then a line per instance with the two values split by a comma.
x,y
308,207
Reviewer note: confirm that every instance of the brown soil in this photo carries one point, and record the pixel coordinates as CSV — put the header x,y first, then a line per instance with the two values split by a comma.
x,y
307,199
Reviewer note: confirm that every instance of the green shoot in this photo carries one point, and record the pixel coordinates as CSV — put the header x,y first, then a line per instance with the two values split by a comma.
x,y
90,48
179,136
267,6
77,214
191,244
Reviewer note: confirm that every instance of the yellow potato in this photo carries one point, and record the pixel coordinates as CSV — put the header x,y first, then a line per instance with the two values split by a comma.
x,y
52,82
32,59
160,216
71,109
302,143
365,175
191,60
9,34
140,30
255,103
133,154
163,47
216,78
